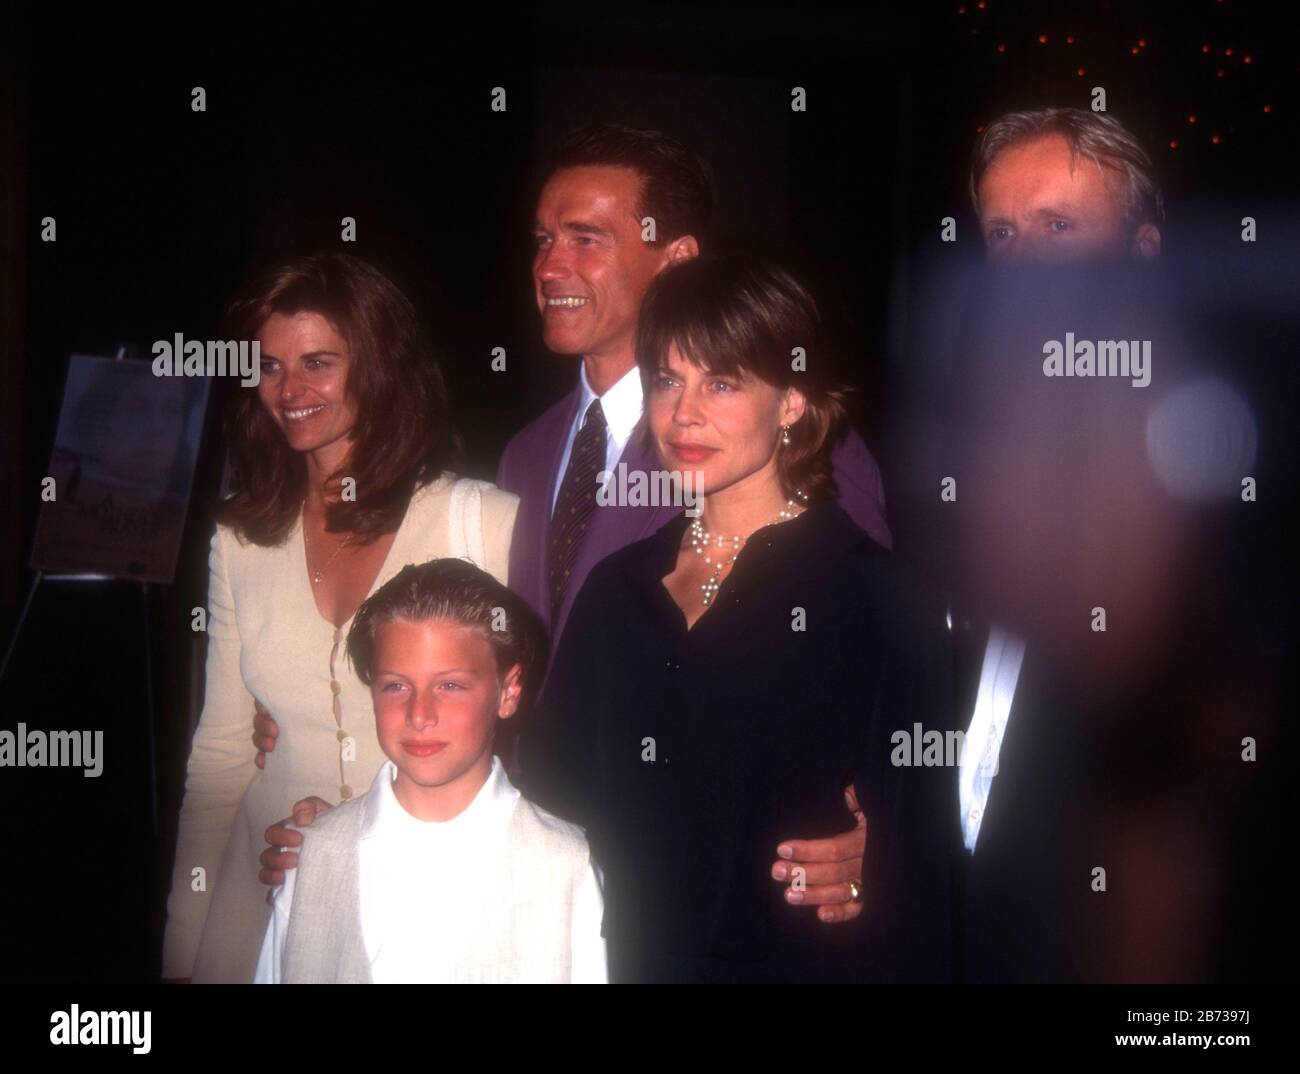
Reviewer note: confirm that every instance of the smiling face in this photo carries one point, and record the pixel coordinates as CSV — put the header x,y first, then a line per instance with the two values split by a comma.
x,y
590,265
305,365
1037,203
438,696
726,428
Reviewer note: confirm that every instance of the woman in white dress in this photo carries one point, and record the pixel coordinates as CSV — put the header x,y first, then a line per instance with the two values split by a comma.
x,y
338,480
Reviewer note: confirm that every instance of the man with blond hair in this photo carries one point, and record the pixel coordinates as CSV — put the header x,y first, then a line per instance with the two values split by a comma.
x,y
1048,185
1064,184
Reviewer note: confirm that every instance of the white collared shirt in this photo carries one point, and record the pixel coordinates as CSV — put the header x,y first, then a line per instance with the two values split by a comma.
x,y
621,405
419,889
1003,656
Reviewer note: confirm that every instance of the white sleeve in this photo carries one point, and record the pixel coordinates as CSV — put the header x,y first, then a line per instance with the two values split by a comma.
x,y
588,956
219,769
270,963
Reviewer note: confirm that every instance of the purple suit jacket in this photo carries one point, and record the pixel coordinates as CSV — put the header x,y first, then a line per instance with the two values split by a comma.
x,y
531,463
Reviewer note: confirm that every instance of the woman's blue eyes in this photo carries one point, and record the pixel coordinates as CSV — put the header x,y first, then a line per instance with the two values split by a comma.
x,y
665,382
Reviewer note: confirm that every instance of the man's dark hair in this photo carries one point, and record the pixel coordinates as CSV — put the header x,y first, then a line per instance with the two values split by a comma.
x,y
676,184
459,592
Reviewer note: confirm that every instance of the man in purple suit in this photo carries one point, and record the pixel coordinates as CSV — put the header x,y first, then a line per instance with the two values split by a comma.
x,y
618,206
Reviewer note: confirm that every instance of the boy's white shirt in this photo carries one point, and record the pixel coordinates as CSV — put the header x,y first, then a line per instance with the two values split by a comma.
x,y
419,888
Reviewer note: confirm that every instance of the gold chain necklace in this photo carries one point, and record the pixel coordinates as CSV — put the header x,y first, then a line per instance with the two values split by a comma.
x,y
319,573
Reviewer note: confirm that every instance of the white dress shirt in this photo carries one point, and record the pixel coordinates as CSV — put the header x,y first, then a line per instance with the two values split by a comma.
x,y
621,405
1003,656
419,885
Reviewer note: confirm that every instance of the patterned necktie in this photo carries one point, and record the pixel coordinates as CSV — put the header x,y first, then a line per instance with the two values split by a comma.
x,y
576,502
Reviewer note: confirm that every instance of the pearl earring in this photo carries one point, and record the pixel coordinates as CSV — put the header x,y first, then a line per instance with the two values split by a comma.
x,y
785,435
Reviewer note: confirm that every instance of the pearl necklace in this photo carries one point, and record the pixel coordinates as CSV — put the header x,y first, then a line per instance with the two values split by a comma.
x,y
702,540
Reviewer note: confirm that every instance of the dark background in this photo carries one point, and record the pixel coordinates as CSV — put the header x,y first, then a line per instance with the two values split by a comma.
x,y
160,210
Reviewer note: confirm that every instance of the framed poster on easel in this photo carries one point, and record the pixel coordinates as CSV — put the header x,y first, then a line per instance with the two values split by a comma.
x,y
119,481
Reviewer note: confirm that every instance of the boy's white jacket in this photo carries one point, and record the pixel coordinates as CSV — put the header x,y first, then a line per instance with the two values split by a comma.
x,y
504,892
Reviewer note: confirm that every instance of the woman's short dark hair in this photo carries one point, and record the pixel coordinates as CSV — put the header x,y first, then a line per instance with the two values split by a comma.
x,y
744,314
403,436
459,592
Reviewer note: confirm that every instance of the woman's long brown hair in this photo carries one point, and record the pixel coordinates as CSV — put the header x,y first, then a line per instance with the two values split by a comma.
x,y
403,436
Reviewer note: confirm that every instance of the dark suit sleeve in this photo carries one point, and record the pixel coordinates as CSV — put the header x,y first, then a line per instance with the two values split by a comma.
x,y
861,488
912,821
557,748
